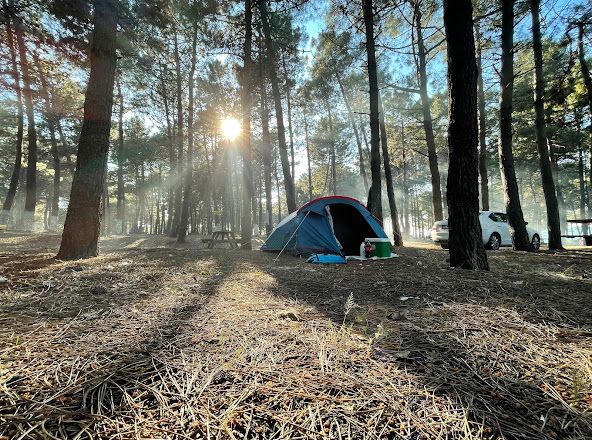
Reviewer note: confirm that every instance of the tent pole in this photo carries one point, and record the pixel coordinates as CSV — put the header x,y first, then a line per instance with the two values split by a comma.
x,y
293,233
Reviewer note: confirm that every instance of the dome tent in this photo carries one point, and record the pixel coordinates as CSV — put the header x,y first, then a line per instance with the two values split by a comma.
x,y
332,225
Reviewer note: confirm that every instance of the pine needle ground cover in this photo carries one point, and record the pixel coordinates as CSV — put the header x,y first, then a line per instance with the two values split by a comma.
x,y
150,340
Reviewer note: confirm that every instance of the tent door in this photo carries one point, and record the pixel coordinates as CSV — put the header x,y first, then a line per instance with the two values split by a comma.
x,y
349,227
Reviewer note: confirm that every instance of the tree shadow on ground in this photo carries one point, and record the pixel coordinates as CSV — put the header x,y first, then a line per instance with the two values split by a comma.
x,y
437,341
51,290
107,379
510,406
444,356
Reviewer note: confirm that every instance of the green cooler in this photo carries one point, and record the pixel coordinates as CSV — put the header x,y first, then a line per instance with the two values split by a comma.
x,y
382,247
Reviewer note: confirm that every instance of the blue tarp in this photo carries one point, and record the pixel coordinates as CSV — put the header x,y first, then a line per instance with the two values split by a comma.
x,y
332,225
326,259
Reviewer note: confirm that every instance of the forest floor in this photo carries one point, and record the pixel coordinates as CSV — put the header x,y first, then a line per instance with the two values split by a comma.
x,y
153,340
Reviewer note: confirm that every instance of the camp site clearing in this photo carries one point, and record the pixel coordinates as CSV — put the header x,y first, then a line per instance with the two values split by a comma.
x,y
153,340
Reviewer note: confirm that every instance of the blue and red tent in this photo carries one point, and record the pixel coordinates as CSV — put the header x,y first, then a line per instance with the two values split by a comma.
x,y
332,225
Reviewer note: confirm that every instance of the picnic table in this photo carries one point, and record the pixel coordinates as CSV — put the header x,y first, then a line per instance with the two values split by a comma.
x,y
587,237
221,237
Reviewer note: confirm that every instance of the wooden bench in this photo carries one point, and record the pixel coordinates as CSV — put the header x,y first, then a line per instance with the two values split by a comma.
x,y
587,237
221,237
2,227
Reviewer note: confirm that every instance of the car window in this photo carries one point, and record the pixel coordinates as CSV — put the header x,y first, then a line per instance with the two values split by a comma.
x,y
503,217
493,216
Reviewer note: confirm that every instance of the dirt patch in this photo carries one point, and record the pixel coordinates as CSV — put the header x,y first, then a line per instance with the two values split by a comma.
x,y
156,341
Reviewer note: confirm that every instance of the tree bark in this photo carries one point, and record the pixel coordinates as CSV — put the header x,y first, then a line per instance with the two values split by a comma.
x,y
83,219
18,157
365,137
31,181
289,108
333,152
279,113
352,121
178,186
375,193
120,213
279,192
172,156
388,175
247,151
51,118
405,182
482,125
306,138
466,244
588,83
266,151
104,229
185,208
427,117
553,222
582,185
558,190
506,155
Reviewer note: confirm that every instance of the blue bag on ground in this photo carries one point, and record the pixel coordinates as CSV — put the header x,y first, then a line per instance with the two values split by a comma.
x,y
326,259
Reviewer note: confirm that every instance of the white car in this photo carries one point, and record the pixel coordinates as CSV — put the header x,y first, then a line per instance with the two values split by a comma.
x,y
494,230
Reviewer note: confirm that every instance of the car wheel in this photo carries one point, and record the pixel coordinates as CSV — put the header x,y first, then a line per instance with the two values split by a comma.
x,y
536,242
444,245
494,242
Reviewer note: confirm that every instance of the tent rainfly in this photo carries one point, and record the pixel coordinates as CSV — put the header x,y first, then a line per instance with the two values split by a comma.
x,y
331,225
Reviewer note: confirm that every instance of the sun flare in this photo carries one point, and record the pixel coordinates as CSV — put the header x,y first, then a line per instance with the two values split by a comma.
x,y
231,128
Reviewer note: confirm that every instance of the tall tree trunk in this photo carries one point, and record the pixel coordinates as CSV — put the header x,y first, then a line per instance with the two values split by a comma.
x,y
83,219
365,137
279,192
105,227
506,154
18,157
47,208
558,190
178,185
482,126
553,222
279,113
333,153
120,214
405,182
142,201
375,193
246,79
266,152
135,229
228,211
260,203
157,207
172,155
427,117
31,182
305,113
184,220
51,118
582,189
352,121
289,108
65,147
588,83
388,175
466,244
